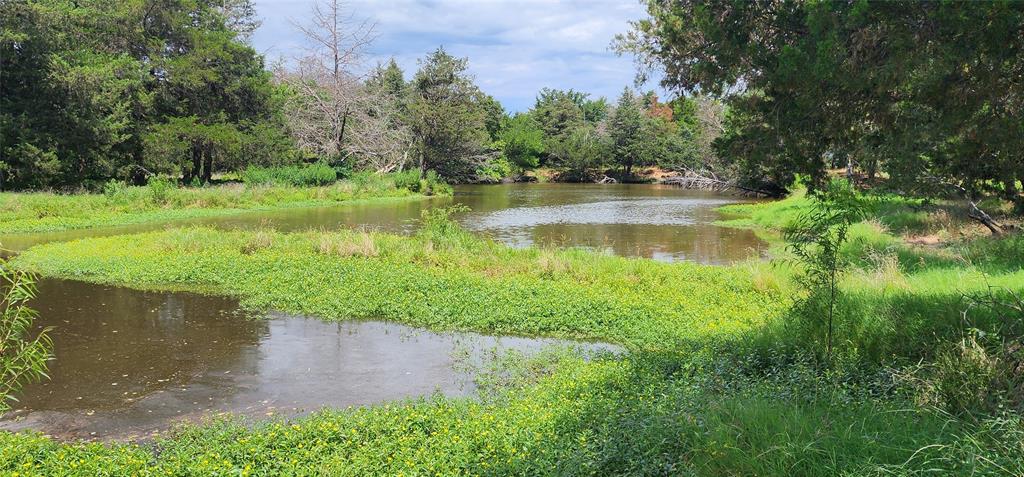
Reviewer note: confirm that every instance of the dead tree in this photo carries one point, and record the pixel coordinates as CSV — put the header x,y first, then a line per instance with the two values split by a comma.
x,y
327,91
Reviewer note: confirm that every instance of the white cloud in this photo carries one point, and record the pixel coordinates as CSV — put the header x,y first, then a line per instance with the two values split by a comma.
x,y
515,48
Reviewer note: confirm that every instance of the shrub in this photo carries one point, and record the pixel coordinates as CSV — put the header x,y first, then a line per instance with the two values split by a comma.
x,y
160,189
816,239
317,174
407,180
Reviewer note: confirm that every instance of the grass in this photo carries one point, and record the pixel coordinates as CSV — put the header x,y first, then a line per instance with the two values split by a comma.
x,y
606,417
719,380
442,278
163,201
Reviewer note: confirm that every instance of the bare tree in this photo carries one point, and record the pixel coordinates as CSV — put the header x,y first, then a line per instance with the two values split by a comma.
x,y
326,87
380,141
710,126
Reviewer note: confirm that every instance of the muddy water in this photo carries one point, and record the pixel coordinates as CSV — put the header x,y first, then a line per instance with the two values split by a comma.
x,y
660,222
130,364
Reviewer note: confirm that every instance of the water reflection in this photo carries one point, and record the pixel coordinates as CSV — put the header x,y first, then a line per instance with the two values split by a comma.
x,y
131,363
652,221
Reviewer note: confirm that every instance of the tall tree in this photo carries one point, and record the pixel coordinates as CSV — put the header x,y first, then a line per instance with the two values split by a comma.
x,y
446,117
627,131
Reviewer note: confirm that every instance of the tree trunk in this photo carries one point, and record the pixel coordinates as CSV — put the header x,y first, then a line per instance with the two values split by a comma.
x,y
341,134
197,163
207,165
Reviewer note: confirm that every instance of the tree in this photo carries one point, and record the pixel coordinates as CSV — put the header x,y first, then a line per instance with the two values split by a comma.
x,y
70,94
916,89
522,141
22,357
325,89
583,150
558,113
381,139
84,84
629,137
446,117
210,79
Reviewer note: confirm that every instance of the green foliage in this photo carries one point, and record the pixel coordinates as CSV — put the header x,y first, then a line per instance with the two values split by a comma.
x,y
583,150
816,239
568,416
496,169
443,278
87,95
162,200
448,118
522,141
625,130
715,382
23,351
407,180
907,88
309,175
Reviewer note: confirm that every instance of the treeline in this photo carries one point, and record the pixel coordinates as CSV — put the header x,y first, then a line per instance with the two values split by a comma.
x,y
92,90
927,94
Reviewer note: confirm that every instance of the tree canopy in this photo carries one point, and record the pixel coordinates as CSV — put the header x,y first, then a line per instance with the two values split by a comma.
x,y
922,91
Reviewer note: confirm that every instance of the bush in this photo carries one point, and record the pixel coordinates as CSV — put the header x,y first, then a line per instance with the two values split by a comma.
x,y
407,180
317,174
160,189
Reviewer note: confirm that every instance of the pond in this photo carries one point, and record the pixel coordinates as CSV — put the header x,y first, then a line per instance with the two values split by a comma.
x,y
129,364
635,220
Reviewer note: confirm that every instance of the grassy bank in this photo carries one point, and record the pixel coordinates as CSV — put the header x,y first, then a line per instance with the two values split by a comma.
x,y
601,418
721,379
162,201
443,278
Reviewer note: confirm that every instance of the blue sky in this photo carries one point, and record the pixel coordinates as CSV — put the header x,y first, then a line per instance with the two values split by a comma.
x,y
515,48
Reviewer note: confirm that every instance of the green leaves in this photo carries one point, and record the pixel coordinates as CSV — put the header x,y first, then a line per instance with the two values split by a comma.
x,y
23,356
816,238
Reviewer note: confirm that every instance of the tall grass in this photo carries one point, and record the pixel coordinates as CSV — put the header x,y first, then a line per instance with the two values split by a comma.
x,y
162,200
309,175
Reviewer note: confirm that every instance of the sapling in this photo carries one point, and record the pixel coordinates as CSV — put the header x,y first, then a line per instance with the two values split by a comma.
x,y
816,238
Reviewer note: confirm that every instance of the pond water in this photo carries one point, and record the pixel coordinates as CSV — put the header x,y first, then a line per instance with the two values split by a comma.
x,y
130,364
636,220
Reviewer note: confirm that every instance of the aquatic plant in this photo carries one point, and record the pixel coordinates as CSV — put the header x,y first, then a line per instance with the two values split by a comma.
x,y
23,356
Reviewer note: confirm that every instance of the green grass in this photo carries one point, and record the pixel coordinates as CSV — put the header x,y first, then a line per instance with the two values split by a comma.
x,y
608,417
719,379
162,201
900,300
438,279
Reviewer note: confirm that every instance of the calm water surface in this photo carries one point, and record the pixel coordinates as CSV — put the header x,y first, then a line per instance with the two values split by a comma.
x,y
130,364
635,220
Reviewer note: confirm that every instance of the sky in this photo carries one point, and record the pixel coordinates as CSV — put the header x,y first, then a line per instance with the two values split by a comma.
x,y
515,48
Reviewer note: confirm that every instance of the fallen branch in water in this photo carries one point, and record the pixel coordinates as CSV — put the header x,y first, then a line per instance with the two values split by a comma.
x,y
694,181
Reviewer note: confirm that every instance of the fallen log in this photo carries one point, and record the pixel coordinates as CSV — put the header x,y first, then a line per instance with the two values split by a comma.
x,y
698,182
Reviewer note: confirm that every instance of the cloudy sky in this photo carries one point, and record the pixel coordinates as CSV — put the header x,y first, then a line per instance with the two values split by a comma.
x,y
514,47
